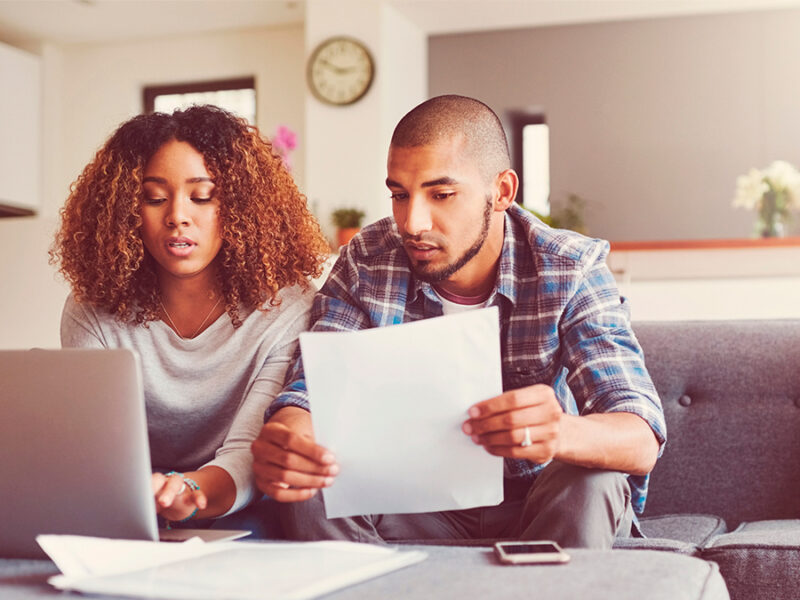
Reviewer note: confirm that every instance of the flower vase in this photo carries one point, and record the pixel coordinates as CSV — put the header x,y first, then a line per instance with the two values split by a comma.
x,y
771,230
772,215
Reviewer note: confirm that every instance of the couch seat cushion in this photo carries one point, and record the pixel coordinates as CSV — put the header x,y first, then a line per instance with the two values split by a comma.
x,y
690,528
759,560
649,543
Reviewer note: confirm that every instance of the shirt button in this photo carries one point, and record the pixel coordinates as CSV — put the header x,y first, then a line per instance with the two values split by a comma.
x,y
684,400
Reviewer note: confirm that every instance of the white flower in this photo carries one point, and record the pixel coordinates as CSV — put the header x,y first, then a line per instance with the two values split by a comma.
x,y
780,177
783,177
750,189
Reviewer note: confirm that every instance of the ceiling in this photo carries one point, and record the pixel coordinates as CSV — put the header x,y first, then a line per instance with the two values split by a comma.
x,y
75,21
440,17
70,21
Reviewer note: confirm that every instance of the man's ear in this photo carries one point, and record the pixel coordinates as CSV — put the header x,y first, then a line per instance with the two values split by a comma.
x,y
506,184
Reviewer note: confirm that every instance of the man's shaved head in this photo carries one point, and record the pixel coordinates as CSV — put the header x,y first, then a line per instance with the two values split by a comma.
x,y
449,118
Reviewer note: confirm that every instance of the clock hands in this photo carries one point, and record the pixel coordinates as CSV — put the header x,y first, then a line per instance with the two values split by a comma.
x,y
337,68
340,71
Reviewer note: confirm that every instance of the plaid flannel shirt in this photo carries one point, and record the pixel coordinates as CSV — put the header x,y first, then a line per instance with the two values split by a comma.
x,y
563,322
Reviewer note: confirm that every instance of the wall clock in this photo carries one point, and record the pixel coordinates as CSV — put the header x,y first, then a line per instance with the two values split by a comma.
x,y
340,71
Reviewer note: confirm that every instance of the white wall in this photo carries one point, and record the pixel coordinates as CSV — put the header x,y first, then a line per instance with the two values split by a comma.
x,y
652,120
714,299
347,145
20,128
404,50
31,295
710,283
101,86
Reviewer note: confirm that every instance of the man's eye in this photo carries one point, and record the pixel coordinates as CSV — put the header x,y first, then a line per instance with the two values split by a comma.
x,y
443,195
399,196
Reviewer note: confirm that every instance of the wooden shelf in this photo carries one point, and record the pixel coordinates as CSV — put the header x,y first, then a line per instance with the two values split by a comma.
x,y
782,242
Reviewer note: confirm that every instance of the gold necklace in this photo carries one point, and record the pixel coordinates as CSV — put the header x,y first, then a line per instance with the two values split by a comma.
x,y
196,331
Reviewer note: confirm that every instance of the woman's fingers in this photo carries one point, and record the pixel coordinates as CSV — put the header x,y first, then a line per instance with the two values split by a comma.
x,y
173,487
166,489
157,481
199,499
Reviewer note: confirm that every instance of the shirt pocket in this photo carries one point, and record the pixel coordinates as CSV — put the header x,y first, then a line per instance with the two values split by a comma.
x,y
520,377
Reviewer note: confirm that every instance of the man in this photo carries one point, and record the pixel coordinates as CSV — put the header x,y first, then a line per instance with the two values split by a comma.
x,y
579,422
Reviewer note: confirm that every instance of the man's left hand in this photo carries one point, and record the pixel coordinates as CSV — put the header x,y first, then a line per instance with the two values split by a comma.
x,y
500,423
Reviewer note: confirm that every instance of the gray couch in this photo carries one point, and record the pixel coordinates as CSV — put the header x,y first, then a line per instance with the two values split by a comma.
x,y
727,488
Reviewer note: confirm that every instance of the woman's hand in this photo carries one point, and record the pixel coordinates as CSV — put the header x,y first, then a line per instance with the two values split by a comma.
x,y
175,500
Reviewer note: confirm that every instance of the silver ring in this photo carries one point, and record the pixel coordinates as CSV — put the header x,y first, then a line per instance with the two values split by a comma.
x,y
526,441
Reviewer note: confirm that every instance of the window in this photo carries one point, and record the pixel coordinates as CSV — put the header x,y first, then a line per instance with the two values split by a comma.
x,y
530,142
236,95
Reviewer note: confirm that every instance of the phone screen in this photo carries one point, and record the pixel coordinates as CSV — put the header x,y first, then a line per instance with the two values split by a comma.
x,y
520,553
530,548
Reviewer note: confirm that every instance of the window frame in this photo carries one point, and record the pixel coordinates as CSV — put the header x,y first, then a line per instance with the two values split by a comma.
x,y
150,92
519,119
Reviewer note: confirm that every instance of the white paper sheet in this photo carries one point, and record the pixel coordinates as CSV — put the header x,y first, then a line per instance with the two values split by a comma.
x,y
390,401
197,571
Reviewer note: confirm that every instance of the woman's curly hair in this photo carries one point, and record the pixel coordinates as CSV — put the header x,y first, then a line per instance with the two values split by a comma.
x,y
270,239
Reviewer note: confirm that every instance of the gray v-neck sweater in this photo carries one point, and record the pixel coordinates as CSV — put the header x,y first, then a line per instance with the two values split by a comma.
x,y
205,396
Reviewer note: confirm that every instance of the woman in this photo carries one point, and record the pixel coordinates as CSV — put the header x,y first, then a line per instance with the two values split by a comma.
x,y
187,241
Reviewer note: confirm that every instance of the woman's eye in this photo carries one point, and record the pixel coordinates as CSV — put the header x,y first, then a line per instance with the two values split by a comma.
x,y
201,200
154,201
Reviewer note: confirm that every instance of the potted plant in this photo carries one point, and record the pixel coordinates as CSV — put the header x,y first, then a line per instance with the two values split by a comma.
x,y
347,222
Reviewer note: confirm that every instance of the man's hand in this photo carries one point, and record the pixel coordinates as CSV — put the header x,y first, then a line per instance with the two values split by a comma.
x,y
499,424
174,499
617,441
288,465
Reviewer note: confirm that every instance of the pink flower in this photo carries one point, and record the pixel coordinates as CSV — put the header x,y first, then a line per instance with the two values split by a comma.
x,y
285,139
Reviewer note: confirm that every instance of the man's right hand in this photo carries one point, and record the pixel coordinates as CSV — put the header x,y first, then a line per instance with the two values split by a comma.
x,y
288,465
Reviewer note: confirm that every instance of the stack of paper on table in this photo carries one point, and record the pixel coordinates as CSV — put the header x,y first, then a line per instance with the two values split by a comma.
x,y
195,570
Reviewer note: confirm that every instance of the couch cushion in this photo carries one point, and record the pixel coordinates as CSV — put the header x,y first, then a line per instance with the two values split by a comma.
x,y
759,560
663,544
694,529
731,397
684,534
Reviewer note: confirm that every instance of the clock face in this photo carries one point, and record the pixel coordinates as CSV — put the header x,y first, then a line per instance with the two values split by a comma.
x,y
340,71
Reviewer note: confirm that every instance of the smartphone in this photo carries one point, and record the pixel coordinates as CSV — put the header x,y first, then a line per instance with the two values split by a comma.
x,y
530,553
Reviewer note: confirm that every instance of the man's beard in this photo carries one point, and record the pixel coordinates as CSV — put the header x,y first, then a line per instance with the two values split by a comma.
x,y
448,270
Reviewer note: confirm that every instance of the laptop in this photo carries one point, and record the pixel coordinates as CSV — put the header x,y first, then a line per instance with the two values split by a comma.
x,y
74,452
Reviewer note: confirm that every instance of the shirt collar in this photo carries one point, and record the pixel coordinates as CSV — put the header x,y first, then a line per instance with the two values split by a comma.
x,y
506,281
505,284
